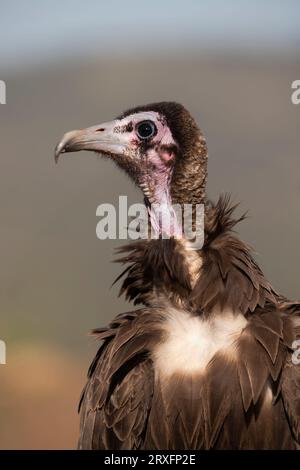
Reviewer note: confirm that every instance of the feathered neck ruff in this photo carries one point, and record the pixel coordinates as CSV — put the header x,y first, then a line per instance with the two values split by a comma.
x,y
222,275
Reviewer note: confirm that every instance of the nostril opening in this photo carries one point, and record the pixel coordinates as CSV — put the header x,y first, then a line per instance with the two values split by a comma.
x,y
101,129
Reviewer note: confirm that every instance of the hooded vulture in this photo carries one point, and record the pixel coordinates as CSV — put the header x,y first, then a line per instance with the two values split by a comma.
x,y
207,361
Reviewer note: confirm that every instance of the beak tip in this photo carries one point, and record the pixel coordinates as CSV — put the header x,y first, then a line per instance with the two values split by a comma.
x,y
56,156
58,150
65,144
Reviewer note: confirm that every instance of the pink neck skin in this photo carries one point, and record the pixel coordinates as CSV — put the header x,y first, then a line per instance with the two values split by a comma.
x,y
163,218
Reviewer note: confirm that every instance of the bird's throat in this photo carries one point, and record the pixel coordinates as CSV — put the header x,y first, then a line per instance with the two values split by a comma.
x,y
164,220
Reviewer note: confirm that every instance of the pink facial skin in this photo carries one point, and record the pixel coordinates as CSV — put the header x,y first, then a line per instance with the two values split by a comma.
x,y
157,168
166,155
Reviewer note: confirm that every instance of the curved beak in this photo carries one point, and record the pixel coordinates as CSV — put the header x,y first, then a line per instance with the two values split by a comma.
x,y
105,138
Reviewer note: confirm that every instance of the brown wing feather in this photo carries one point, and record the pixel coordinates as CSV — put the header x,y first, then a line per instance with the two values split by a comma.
x,y
291,396
116,400
290,386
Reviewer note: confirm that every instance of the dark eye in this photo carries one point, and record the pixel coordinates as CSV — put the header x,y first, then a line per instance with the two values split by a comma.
x,y
146,130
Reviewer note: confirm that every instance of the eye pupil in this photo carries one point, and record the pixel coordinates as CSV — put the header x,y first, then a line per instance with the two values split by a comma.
x,y
145,130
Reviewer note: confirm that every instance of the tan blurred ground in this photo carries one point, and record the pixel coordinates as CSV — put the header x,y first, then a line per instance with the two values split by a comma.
x,y
39,396
55,275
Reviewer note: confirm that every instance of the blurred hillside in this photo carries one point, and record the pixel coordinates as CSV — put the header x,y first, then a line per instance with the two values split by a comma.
x,y
55,275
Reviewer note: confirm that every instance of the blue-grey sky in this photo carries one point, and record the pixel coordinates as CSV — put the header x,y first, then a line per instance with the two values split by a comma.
x,y
33,31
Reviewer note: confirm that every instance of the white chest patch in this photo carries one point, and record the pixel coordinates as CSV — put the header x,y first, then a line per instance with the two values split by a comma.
x,y
191,342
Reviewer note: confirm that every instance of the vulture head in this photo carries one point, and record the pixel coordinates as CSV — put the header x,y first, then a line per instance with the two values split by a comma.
x,y
158,145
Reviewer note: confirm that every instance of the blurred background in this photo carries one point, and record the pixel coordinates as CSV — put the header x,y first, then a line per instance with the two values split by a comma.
x,y
70,64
